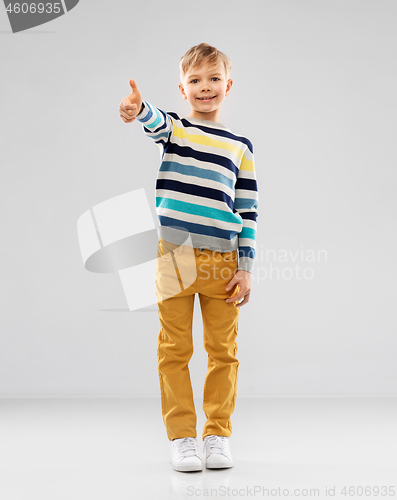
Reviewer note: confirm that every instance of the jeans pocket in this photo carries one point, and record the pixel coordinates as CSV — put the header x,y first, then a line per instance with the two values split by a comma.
x,y
165,252
229,256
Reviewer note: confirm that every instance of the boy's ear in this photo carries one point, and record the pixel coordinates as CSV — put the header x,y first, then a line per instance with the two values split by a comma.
x,y
229,86
182,91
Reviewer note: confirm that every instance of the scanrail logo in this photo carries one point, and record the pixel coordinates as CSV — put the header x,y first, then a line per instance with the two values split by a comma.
x,y
31,13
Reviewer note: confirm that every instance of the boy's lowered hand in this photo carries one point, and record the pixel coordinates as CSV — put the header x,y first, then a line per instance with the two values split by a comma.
x,y
243,279
130,106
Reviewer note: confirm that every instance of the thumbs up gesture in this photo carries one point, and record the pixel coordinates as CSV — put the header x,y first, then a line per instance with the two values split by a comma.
x,y
131,105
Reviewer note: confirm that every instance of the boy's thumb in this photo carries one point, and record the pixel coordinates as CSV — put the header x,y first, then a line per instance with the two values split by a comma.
x,y
133,85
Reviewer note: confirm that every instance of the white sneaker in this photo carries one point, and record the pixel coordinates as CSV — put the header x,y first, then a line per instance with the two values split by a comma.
x,y
217,452
185,454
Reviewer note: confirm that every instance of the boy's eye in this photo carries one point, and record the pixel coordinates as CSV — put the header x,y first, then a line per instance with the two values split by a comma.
x,y
196,79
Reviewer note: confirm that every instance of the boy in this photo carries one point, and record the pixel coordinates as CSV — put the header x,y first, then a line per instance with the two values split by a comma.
x,y
206,189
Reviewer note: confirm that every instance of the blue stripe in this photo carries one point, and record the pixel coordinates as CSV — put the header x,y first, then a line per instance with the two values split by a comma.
x,y
158,137
240,203
173,166
149,114
249,184
246,252
249,215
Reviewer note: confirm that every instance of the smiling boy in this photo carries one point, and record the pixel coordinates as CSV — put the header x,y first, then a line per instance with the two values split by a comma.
x,y
206,188
206,101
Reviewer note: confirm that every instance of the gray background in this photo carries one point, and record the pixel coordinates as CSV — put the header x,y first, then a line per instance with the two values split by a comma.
x,y
314,90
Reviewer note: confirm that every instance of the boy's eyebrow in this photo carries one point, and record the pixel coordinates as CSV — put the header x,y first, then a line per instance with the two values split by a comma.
x,y
213,74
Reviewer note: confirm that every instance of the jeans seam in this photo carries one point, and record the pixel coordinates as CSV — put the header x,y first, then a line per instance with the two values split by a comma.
x,y
236,375
160,341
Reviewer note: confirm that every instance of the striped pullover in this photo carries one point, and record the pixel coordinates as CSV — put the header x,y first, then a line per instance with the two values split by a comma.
x,y
206,186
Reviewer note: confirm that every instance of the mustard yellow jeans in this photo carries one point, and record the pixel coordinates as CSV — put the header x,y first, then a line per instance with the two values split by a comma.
x,y
181,272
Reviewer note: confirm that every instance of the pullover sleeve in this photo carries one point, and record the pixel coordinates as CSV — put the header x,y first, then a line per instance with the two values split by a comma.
x,y
246,204
157,124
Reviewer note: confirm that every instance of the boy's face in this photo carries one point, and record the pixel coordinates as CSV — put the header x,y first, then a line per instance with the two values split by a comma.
x,y
205,88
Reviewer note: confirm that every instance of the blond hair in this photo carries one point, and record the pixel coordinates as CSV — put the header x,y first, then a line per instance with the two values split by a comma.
x,y
204,53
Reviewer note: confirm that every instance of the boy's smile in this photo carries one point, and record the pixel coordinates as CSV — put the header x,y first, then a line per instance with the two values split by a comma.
x,y
205,88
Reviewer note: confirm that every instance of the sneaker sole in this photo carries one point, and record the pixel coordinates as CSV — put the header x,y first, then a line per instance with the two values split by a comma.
x,y
219,466
181,468
187,468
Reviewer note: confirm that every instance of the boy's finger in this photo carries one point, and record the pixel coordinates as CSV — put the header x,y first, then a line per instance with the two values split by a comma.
x,y
129,112
128,106
230,284
127,117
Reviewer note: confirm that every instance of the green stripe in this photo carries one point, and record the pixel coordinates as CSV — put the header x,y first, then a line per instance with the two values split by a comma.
x,y
193,209
247,232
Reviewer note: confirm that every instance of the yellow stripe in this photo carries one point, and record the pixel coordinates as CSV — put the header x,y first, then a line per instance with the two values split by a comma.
x,y
247,164
208,141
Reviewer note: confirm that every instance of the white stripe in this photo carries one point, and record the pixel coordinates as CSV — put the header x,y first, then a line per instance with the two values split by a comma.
x,y
246,194
247,242
250,223
246,174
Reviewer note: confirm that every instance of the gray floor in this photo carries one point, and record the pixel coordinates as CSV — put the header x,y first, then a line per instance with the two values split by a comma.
x,y
118,449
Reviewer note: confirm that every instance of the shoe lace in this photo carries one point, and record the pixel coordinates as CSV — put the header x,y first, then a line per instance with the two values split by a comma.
x,y
188,446
216,443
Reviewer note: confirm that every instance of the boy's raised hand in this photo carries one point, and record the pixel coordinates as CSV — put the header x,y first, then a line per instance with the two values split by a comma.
x,y
131,105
